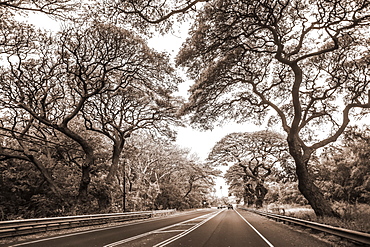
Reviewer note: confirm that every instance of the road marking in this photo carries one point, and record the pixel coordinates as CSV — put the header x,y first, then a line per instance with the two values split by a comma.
x,y
170,231
264,239
174,238
126,240
96,230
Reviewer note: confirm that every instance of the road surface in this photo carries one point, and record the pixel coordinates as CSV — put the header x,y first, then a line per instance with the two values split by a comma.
x,y
210,227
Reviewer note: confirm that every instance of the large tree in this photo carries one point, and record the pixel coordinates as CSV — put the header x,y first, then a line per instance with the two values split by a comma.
x,y
253,157
144,101
162,175
55,77
308,61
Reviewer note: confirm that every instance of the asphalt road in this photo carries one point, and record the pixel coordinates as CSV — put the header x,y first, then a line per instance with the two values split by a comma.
x,y
198,228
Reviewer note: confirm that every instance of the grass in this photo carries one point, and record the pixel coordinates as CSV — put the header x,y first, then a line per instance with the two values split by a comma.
x,y
353,216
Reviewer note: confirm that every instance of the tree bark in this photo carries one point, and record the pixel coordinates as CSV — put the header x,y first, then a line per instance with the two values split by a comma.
x,y
306,185
105,195
85,172
248,196
261,192
85,178
47,176
117,150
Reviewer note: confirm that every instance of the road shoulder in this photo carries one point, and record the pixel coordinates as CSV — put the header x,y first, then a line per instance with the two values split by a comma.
x,y
280,234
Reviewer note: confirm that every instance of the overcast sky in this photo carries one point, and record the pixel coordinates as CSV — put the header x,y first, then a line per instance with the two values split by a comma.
x,y
199,142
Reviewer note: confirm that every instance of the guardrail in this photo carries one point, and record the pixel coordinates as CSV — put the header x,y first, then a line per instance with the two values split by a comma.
x,y
29,226
355,236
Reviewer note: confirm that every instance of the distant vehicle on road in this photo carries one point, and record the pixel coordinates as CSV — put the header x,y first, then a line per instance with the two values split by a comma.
x,y
221,206
230,206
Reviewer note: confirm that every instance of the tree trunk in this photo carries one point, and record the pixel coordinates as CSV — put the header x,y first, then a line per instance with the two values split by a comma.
x,y
105,195
261,192
312,193
248,196
85,177
117,150
306,185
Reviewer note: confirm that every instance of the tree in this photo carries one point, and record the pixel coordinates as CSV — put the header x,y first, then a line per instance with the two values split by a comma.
x,y
308,61
146,15
56,77
143,101
52,7
162,175
344,169
240,184
252,157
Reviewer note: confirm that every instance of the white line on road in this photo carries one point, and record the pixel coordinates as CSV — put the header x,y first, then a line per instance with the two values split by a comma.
x,y
123,241
174,238
264,239
95,230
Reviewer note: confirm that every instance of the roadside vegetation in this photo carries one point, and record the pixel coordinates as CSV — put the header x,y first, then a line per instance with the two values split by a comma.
x,y
341,171
353,216
89,112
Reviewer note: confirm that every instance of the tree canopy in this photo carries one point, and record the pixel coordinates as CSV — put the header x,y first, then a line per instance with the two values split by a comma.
x,y
83,108
252,158
308,61
58,88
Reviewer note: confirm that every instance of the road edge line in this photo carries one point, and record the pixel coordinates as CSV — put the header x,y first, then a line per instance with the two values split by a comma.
x,y
264,239
186,232
126,240
127,223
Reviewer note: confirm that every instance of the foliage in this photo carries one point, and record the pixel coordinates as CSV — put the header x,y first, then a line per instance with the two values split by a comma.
x,y
296,58
353,216
101,75
145,16
163,181
344,169
252,158
285,193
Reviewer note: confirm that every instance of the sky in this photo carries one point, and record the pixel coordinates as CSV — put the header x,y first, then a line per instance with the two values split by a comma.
x,y
199,142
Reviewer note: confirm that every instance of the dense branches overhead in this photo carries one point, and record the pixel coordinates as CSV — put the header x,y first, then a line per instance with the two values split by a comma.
x,y
55,7
98,74
249,48
146,15
257,153
307,61
155,12
252,158
56,78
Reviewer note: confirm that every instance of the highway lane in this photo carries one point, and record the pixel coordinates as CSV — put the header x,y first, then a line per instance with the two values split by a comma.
x,y
104,236
226,229
238,228
211,228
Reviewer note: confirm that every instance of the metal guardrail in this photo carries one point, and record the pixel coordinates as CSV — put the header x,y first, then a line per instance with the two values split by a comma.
x,y
356,236
29,226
